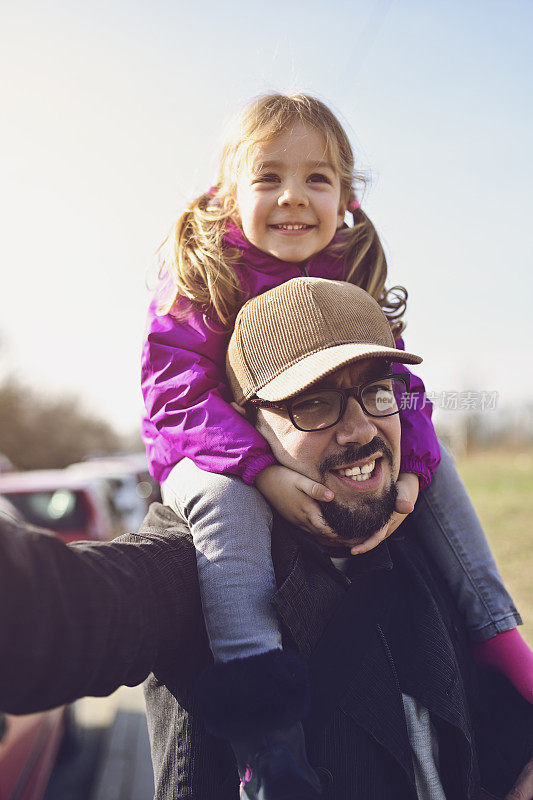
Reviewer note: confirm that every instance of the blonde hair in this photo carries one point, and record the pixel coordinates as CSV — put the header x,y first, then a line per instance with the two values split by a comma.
x,y
202,266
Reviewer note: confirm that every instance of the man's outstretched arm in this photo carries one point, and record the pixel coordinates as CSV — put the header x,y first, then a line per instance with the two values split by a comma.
x,y
83,619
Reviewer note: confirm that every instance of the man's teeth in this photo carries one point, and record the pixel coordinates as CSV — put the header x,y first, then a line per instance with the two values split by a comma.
x,y
358,473
292,227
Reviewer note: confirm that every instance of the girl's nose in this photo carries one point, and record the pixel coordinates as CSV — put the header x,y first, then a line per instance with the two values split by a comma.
x,y
355,425
293,194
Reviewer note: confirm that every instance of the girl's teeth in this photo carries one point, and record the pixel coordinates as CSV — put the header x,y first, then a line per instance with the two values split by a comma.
x,y
292,227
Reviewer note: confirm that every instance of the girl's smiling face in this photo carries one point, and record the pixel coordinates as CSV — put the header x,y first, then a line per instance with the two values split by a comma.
x,y
289,195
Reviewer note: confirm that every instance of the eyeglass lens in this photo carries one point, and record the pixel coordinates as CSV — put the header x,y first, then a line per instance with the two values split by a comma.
x,y
323,409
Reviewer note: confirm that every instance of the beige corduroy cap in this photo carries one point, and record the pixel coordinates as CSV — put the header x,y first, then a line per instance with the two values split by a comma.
x,y
295,334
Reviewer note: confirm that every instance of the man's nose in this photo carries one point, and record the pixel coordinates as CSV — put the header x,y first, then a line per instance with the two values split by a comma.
x,y
355,425
293,194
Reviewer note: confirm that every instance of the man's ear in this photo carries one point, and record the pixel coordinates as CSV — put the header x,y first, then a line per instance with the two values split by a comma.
x,y
239,409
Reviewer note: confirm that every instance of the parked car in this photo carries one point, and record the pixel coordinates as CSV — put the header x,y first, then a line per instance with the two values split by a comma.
x,y
29,744
71,505
132,487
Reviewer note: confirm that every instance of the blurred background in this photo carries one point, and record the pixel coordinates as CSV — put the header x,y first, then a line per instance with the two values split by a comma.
x,y
113,116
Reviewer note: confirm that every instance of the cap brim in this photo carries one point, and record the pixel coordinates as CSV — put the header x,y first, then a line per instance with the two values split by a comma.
x,y
316,366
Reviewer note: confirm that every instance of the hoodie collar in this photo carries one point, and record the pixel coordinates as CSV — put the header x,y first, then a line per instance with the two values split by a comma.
x,y
257,259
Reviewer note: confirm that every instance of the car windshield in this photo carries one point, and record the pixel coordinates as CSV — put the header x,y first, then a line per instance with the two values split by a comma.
x,y
59,510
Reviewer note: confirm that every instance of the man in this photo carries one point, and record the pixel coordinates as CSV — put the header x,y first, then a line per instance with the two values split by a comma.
x,y
395,711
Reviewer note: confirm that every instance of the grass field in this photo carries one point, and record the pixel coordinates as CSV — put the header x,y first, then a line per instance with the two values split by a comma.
x,y
501,487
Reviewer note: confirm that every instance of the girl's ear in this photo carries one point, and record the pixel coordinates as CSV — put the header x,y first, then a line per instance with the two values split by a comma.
x,y
341,212
343,206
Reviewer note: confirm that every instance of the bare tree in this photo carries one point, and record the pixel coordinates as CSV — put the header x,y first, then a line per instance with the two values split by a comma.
x,y
37,433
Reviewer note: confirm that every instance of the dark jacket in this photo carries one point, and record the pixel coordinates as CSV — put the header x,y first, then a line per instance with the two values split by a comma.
x,y
86,618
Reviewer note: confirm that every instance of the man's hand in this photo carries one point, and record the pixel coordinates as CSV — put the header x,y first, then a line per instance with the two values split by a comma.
x,y
295,496
408,487
523,788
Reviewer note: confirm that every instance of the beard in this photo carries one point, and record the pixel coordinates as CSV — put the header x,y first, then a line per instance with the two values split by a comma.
x,y
370,513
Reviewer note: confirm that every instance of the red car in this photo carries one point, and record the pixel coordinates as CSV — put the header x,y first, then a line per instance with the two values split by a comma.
x,y
73,506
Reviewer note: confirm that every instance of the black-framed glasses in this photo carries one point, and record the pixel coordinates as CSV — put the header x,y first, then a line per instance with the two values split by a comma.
x,y
322,408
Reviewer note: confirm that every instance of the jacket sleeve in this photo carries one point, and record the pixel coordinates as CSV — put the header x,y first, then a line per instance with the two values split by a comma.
x,y
83,619
420,450
187,398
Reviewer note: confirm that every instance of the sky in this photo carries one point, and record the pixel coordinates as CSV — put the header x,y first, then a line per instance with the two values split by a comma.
x,y
112,118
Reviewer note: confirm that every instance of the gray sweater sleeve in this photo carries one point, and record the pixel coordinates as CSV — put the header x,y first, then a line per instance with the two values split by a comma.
x,y
85,618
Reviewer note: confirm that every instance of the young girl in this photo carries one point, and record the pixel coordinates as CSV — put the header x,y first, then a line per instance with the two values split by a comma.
x,y
277,212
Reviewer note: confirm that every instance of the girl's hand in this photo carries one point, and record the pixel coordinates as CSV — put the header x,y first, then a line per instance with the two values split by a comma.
x,y
295,496
408,487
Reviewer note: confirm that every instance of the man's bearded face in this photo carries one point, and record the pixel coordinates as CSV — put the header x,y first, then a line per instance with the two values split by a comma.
x,y
358,458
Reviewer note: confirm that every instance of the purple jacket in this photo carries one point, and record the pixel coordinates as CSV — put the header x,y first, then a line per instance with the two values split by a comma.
x,y
187,400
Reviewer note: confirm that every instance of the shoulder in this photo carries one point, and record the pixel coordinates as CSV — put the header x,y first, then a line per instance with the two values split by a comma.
x,y
162,524
162,547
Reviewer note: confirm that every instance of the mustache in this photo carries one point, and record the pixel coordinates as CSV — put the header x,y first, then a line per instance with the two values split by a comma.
x,y
354,452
